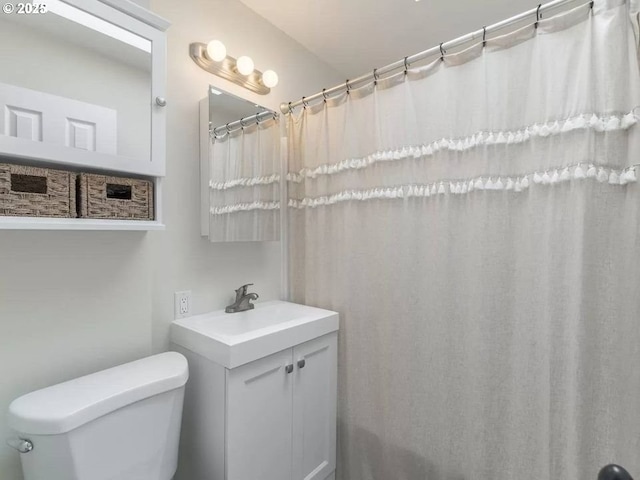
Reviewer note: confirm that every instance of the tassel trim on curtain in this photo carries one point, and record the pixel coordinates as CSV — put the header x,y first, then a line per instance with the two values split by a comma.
x,y
245,182
452,187
598,123
244,207
460,187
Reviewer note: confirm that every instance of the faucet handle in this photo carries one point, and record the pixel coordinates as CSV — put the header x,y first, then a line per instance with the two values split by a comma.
x,y
245,288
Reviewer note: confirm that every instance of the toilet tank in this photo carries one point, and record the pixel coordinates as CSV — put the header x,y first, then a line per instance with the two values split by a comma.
x,y
120,423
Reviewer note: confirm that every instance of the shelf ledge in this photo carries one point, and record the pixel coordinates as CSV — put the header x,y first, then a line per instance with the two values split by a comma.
x,y
40,223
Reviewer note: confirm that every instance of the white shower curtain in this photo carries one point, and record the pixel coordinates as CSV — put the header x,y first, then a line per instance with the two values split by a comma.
x,y
475,223
244,184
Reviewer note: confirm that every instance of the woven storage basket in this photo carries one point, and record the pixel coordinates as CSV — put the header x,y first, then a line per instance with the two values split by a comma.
x,y
115,197
37,192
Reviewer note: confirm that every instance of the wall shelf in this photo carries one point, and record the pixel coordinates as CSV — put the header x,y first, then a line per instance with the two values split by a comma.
x,y
39,223
59,156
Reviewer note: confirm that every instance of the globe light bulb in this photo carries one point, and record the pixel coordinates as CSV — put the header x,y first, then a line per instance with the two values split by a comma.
x,y
216,50
270,79
244,65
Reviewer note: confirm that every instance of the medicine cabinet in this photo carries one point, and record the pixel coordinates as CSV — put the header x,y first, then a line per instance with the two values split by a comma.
x,y
83,88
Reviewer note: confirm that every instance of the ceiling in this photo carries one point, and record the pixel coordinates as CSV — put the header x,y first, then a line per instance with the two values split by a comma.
x,y
354,36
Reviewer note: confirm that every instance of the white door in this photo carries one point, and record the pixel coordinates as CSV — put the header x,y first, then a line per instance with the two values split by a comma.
x,y
314,408
259,419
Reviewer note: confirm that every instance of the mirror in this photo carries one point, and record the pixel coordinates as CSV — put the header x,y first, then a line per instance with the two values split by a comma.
x,y
75,80
240,169
226,108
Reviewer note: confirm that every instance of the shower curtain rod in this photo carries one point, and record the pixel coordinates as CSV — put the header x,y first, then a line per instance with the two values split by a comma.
x,y
440,49
244,122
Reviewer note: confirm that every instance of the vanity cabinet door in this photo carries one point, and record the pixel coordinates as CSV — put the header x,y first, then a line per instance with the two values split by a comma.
x,y
259,419
314,408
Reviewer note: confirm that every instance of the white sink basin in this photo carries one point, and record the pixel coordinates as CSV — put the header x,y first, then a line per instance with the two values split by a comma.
x,y
233,339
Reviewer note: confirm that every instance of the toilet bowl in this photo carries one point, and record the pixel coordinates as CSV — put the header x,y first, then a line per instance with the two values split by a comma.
x,y
120,423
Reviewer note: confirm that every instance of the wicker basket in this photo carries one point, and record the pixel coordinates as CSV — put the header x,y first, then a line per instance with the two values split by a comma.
x,y
37,192
115,197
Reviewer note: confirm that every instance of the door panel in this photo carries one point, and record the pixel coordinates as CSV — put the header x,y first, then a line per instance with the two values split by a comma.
x,y
47,118
314,408
259,419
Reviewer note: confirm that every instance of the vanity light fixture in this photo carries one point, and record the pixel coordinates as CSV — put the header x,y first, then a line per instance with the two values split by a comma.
x,y
216,50
270,78
213,58
245,65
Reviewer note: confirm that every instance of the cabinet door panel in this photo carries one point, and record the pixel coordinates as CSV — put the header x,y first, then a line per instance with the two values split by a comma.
x,y
314,407
259,419
53,119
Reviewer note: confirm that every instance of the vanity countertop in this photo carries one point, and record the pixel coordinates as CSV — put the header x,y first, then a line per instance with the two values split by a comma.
x,y
233,339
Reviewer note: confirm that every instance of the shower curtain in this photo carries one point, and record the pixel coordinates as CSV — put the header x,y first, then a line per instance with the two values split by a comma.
x,y
475,223
244,183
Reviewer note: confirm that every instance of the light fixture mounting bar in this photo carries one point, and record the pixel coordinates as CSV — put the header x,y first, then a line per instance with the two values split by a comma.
x,y
227,69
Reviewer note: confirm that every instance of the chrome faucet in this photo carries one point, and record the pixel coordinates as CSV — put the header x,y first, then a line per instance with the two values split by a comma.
x,y
243,300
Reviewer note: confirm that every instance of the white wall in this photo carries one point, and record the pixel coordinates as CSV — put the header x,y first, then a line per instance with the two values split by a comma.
x,y
75,302
188,261
70,303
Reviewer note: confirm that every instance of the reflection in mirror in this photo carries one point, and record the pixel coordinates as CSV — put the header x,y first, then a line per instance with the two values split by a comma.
x,y
75,80
226,108
241,174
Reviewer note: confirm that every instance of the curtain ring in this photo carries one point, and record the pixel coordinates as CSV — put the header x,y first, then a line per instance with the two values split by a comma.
x,y
227,127
304,102
484,36
347,85
324,95
537,16
406,65
242,125
591,5
375,76
442,52
275,116
290,108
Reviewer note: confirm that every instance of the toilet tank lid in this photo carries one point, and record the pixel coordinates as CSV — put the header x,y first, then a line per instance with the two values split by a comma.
x,y
63,407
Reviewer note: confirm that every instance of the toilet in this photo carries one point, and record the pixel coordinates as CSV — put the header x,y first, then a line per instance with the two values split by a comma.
x,y
117,424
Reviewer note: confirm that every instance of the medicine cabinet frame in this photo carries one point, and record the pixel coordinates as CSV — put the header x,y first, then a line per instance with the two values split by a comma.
x,y
131,17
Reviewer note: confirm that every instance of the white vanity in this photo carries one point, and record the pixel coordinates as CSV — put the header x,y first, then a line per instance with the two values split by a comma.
x,y
260,403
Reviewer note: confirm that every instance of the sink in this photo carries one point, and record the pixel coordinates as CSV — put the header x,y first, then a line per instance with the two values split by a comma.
x,y
233,339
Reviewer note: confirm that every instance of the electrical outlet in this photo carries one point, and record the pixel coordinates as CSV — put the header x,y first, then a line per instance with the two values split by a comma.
x,y
182,304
